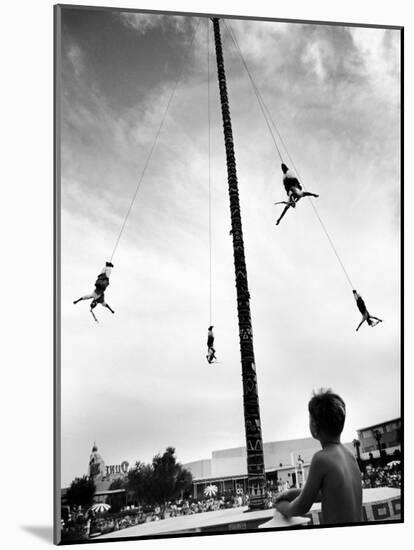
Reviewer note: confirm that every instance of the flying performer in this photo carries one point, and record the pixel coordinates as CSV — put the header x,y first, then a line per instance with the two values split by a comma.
x,y
293,189
98,295
370,319
211,352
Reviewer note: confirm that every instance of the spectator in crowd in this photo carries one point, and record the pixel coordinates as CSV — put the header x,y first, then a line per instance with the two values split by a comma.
x,y
388,476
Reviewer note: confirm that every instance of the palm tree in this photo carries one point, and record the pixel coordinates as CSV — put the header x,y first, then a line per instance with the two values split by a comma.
x,y
378,437
357,445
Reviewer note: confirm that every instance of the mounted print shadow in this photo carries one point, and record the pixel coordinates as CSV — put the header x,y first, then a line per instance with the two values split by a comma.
x,y
228,202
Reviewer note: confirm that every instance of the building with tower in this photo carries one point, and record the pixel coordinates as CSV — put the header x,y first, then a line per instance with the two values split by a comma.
x,y
103,476
96,470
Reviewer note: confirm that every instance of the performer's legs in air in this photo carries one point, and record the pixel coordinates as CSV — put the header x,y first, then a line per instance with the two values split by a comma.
x,y
373,321
94,303
309,194
87,297
211,355
299,193
294,196
108,307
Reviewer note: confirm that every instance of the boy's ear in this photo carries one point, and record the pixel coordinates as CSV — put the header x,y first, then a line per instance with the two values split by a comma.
x,y
313,428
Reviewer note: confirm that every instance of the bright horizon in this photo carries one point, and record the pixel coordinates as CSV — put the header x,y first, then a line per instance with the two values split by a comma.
x,y
139,382
133,460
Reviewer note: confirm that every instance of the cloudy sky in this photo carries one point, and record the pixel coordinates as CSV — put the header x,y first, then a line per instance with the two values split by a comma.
x,y
138,381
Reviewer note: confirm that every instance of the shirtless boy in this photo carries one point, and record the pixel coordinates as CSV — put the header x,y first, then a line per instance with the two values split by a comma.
x,y
334,477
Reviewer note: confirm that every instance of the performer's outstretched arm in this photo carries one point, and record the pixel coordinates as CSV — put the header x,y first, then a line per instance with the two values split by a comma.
x,y
360,324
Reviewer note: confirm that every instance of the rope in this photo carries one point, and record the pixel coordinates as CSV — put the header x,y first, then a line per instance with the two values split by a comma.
x,y
314,208
209,176
153,144
267,115
255,88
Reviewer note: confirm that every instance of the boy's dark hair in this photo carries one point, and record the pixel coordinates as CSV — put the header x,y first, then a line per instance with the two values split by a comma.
x,y
328,411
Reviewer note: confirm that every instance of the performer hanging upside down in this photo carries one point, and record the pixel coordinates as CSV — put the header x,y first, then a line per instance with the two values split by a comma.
x,y
98,295
211,352
294,191
370,319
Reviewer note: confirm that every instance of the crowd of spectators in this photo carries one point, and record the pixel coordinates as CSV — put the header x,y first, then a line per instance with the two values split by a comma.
x,y
78,523
75,523
82,524
381,477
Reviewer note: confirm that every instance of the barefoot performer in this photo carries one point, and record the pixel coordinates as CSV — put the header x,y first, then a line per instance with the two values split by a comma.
x,y
370,319
211,352
294,191
98,295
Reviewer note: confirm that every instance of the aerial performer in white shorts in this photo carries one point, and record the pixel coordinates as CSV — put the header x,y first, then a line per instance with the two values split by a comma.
x,y
293,189
98,295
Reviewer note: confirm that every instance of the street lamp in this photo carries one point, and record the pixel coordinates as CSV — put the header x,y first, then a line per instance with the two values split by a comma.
x,y
356,443
378,437
301,468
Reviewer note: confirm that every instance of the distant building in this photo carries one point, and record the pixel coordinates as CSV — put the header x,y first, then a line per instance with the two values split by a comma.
x,y
388,434
285,462
103,476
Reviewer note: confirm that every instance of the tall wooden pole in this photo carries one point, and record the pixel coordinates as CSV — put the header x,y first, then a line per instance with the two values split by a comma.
x,y
254,443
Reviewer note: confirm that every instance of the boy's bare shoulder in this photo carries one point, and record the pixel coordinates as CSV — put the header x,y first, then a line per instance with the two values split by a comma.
x,y
320,458
348,451
325,456
333,455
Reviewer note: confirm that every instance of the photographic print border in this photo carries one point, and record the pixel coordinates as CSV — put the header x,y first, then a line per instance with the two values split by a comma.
x,y
57,255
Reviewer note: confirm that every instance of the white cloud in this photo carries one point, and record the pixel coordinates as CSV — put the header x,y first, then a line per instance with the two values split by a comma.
x,y
143,23
140,21
314,57
380,52
75,57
